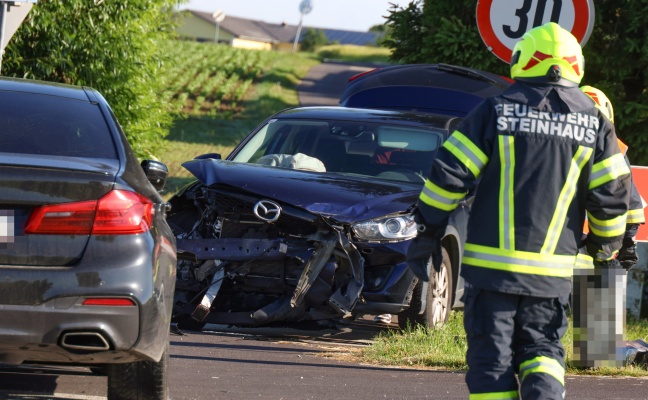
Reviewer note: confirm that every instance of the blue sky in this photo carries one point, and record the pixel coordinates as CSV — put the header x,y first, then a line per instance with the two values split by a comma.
x,y
356,15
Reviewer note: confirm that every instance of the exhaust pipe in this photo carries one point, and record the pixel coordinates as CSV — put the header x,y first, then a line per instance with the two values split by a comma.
x,y
88,341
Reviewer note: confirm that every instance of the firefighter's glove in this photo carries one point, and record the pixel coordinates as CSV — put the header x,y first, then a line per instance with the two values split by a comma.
x,y
608,264
628,254
604,254
424,249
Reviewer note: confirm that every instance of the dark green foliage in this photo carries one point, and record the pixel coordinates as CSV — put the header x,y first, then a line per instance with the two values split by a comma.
x,y
616,62
616,54
109,45
440,32
313,38
384,34
407,32
379,28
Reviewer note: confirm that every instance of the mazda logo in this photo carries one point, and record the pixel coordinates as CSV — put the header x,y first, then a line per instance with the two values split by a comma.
x,y
267,210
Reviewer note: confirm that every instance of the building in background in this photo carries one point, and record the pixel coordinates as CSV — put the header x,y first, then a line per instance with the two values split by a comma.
x,y
258,35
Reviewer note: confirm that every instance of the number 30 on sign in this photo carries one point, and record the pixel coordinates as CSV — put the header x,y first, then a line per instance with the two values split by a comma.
x,y
502,23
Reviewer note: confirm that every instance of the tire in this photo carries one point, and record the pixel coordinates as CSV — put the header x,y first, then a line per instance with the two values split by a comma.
x,y
142,380
440,295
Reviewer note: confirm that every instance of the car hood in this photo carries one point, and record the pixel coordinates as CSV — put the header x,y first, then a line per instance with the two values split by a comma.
x,y
344,198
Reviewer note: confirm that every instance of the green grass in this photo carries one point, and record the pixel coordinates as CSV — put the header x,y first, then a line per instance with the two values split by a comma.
x,y
219,132
442,348
206,121
445,348
351,53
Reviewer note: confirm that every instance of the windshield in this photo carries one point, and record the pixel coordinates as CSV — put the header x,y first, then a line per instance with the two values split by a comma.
x,y
385,151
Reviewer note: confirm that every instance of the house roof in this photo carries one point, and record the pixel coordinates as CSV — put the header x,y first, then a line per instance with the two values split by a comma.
x,y
274,33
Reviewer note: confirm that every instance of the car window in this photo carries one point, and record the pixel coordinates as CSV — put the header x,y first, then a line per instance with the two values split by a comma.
x,y
49,125
386,151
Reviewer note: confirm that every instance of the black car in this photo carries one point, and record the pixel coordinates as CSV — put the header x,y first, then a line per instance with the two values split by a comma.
x,y
309,219
87,260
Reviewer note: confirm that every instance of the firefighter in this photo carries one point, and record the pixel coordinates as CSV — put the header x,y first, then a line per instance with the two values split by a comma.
x,y
628,252
544,156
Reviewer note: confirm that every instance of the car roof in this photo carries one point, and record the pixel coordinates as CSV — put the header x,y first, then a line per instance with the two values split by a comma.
x,y
43,87
440,88
400,117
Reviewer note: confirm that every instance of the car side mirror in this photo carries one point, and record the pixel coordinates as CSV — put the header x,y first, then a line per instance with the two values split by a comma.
x,y
156,172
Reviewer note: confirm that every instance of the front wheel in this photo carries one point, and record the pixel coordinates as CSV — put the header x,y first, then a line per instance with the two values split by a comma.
x,y
141,380
438,302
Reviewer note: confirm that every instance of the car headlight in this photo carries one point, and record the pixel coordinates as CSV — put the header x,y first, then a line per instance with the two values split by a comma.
x,y
393,228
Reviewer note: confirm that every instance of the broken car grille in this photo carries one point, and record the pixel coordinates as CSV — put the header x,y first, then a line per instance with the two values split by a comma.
x,y
237,210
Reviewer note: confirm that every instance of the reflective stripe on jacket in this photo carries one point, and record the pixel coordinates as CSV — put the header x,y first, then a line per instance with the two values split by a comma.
x,y
543,157
636,204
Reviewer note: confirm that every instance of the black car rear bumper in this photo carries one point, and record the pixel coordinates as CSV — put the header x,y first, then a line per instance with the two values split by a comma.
x,y
47,321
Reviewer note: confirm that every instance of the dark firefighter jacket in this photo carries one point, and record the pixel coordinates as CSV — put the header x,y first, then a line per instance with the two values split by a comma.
x,y
544,156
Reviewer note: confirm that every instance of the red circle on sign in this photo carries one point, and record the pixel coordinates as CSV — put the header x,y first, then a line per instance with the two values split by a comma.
x,y
579,30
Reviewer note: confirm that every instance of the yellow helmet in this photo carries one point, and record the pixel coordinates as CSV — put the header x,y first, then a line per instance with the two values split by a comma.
x,y
601,101
548,54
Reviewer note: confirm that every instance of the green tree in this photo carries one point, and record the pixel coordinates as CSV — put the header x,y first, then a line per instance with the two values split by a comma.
x,y
616,54
384,33
616,61
313,38
407,31
109,45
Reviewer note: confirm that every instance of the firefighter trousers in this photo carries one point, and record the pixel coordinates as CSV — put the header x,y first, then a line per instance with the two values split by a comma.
x,y
511,335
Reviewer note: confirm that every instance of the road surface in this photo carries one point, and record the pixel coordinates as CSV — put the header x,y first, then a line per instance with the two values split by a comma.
x,y
325,82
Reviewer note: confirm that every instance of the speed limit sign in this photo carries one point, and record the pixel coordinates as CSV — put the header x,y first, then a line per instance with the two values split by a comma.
x,y
502,23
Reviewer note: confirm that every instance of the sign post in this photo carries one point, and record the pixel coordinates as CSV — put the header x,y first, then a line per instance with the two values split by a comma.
x,y
218,16
12,14
502,23
305,7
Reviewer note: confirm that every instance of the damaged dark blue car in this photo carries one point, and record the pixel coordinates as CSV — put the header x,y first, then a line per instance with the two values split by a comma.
x,y
310,217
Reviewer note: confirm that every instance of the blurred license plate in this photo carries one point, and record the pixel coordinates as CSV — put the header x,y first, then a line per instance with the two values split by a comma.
x,y
7,226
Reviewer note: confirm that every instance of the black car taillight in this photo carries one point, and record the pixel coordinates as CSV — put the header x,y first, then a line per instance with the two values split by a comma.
x,y
119,212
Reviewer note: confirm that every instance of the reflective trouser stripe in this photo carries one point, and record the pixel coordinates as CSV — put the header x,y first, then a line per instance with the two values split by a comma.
x,y
608,228
506,204
565,198
544,365
466,152
437,197
513,394
636,217
522,262
608,170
